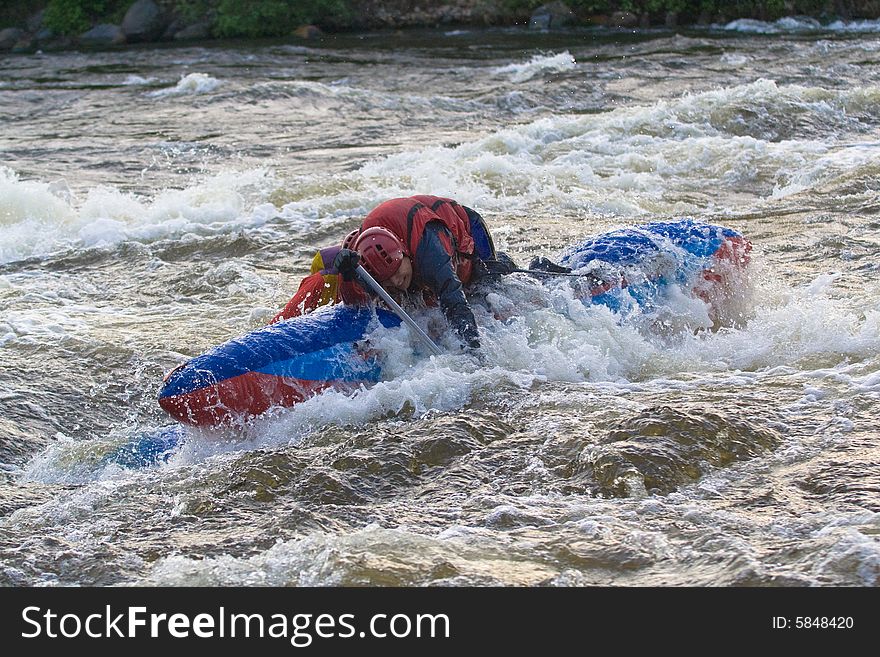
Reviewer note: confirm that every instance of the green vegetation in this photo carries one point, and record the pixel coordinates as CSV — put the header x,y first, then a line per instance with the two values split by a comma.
x,y
276,17
265,18
192,11
14,13
77,16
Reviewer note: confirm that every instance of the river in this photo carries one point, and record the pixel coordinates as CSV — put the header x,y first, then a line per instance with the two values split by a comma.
x,y
157,201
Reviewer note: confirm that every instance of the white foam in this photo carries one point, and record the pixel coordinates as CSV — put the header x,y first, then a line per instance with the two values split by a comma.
x,y
35,221
827,166
734,59
796,24
853,548
868,383
190,84
802,327
835,548
855,26
639,160
42,327
821,284
29,214
137,80
413,386
356,557
537,65
628,162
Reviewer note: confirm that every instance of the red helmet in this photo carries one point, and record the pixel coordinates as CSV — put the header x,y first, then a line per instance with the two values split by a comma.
x,y
348,242
381,252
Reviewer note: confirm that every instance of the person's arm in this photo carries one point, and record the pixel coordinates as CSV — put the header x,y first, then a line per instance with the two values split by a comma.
x,y
306,299
436,271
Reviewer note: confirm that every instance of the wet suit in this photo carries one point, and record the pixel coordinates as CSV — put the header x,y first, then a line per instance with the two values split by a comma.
x,y
433,269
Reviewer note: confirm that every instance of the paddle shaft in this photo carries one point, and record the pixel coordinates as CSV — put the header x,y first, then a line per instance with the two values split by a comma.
x,y
400,312
538,272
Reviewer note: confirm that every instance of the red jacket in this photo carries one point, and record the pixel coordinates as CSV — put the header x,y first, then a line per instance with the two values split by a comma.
x,y
407,218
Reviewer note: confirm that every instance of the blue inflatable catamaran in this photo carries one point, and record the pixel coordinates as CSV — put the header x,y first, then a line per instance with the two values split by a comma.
x,y
290,361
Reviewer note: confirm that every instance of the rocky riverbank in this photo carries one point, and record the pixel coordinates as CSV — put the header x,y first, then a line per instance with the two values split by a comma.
x,y
64,24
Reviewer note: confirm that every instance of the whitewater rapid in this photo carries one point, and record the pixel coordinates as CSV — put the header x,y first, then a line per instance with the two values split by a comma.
x,y
152,208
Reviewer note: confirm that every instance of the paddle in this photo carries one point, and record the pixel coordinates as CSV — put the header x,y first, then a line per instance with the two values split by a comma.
x,y
400,312
537,272
505,265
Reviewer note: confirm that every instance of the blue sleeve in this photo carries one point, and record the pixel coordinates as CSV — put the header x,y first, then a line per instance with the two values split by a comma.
x,y
435,270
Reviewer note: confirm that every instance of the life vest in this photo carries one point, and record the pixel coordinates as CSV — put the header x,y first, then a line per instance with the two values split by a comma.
x,y
322,264
407,218
320,288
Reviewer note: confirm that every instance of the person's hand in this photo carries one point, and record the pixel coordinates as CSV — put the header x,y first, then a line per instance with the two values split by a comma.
x,y
345,262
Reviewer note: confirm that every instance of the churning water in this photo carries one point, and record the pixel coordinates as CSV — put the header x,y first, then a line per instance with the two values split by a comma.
x,y
156,202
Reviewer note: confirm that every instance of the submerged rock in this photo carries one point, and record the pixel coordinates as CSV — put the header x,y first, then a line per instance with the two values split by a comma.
x,y
663,448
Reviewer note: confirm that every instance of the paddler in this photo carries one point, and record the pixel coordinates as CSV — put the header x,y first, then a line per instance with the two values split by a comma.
x,y
419,245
